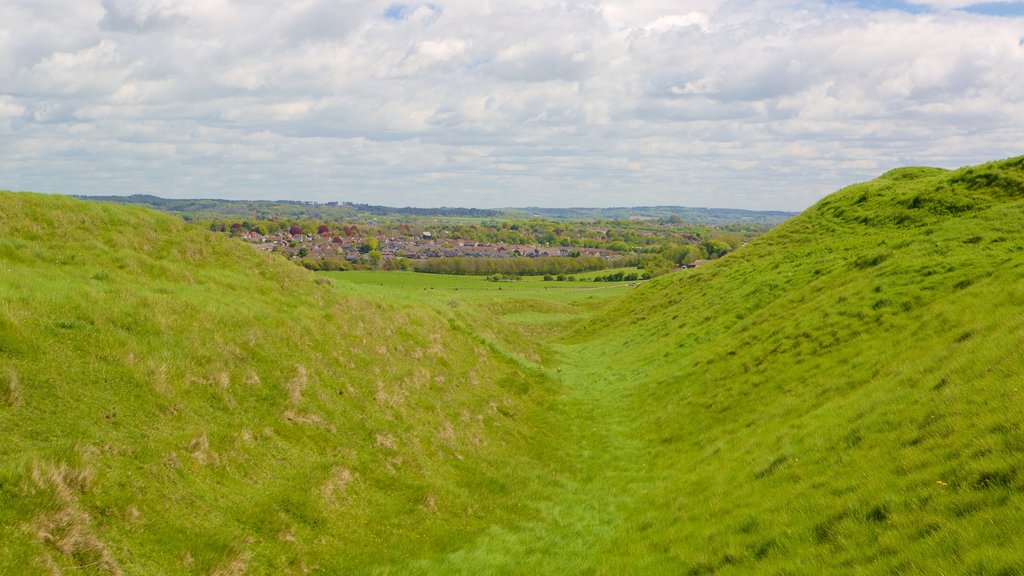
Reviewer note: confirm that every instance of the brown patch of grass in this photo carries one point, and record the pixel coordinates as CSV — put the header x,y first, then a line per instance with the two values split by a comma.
x,y
10,389
446,435
336,488
171,461
65,481
436,344
234,565
430,503
391,399
65,532
160,380
307,418
386,441
295,388
296,385
252,378
133,515
200,450
223,381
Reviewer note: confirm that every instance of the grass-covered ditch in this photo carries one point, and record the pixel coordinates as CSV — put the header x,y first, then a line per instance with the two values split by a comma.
x,y
840,396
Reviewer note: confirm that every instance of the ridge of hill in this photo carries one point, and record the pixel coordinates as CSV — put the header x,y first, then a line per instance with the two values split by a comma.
x,y
843,395
173,401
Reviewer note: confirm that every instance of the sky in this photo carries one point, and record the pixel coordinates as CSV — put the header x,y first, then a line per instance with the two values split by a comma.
x,y
760,104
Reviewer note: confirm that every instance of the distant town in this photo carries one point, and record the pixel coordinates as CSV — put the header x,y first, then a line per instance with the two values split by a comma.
x,y
343,236
534,246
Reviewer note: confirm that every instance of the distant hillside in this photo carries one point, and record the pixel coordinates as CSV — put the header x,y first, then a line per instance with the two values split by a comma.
x,y
713,216
215,209
208,209
843,395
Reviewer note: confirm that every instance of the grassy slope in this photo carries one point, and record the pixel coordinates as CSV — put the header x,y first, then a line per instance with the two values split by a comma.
x,y
595,443
175,402
843,395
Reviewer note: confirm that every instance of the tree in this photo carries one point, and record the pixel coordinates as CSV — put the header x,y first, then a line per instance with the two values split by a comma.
x,y
375,258
369,245
657,266
303,252
716,248
682,254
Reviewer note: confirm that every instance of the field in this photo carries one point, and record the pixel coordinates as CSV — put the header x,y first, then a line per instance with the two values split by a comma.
x,y
840,396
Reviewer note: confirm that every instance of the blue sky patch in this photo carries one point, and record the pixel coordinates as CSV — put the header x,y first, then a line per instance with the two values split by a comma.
x,y
900,5
403,11
998,8
398,11
1015,8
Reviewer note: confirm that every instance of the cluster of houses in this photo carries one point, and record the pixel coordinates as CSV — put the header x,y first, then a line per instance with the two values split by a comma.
x,y
351,248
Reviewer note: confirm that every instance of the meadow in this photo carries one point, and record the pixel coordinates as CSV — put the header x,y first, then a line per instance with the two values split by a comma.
x,y
840,396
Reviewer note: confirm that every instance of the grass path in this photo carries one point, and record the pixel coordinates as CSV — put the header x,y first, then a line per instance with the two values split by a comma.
x,y
600,473
598,468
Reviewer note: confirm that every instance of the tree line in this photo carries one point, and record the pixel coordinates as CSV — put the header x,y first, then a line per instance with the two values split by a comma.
x,y
520,266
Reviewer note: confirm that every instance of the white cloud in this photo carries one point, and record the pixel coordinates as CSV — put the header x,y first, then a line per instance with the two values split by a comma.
x,y
664,23
768,104
10,108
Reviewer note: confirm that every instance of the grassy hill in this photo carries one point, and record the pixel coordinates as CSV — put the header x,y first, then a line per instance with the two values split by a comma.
x,y
175,402
843,395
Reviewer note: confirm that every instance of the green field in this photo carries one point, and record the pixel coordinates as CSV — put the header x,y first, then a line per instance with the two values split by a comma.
x,y
841,396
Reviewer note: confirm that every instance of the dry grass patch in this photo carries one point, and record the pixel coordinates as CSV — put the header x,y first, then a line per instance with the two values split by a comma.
x,y
65,532
335,490
296,385
386,441
10,389
200,450
234,565
307,418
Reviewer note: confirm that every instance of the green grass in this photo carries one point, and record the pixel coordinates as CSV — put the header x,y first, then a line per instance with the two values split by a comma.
x,y
840,396
176,402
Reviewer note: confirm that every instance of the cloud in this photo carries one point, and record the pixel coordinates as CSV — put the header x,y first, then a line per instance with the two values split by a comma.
x,y
767,104
138,16
10,109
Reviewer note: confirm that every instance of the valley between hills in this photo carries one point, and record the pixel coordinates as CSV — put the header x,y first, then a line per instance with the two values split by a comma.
x,y
841,395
